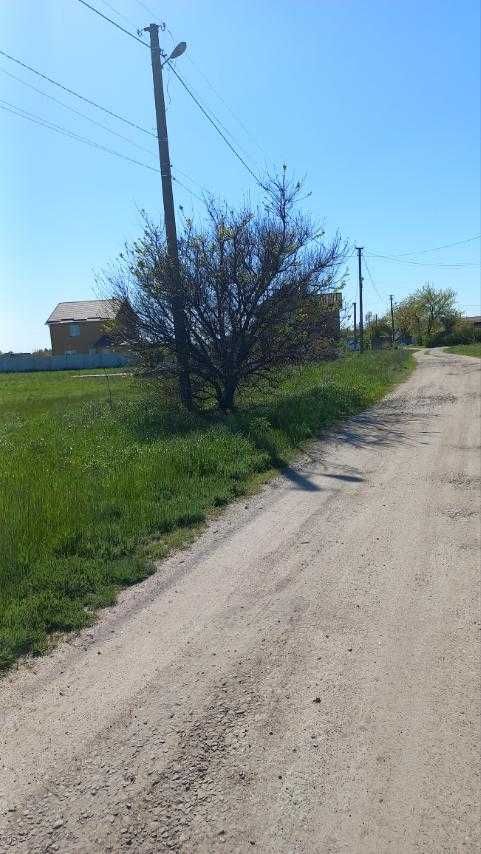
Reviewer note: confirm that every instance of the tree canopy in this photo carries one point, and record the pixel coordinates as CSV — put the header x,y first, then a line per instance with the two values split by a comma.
x,y
427,311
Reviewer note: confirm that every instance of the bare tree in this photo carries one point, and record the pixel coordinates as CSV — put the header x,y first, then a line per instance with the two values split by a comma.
x,y
252,281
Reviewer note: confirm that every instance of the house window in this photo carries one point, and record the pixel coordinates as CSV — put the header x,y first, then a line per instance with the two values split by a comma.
x,y
74,330
70,352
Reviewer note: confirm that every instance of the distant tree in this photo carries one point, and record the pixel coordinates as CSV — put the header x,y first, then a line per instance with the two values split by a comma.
x,y
379,330
450,321
376,329
438,307
251,283
427,311
407,317
368,318
44,351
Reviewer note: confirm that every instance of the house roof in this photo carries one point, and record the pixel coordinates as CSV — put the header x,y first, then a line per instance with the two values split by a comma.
x,y
91,309
474,318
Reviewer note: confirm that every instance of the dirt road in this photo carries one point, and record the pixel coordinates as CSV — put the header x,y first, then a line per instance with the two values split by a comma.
x,y
305,678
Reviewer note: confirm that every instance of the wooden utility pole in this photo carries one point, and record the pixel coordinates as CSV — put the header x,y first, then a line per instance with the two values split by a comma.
x,y
177,300
361,317
392,320
354,306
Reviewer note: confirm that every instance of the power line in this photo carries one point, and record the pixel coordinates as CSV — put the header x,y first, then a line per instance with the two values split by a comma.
x,y
144,6
76,112
111,21
216,127
216,117
235,142
192,180
217,93
45,123
437,248
456,265
227,105
77,95
184,187
39,120
186,87
371,278
116,12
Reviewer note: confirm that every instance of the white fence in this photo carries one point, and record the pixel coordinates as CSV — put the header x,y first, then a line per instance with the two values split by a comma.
x,y
77,361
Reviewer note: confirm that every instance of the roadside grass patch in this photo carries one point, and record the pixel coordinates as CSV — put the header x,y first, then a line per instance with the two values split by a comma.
x,y
466,350
91,494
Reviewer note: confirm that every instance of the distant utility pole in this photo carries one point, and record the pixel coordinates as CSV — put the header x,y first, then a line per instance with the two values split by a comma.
x,y
361,317
392,320
177,301
354,306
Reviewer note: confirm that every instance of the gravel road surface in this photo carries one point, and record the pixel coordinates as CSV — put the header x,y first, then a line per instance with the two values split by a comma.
x,y
304,678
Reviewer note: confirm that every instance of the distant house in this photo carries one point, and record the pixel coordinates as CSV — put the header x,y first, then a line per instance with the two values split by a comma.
x,y
83,326
476,321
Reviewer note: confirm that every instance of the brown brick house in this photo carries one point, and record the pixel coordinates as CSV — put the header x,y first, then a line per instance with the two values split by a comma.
x,y
83,326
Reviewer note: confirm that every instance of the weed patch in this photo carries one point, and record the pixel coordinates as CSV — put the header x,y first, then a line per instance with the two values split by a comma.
x,y
466,350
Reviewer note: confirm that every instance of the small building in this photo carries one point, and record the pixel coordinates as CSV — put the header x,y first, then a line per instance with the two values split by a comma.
x,y
474,320
82,326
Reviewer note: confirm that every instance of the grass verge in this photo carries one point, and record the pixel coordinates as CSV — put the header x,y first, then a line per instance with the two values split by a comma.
x,y
466,350
90,493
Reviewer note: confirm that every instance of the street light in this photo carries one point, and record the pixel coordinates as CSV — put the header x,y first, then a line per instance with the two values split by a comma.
x,y
178,50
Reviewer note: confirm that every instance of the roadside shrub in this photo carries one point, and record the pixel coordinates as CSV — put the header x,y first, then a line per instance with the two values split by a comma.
x,y
463,333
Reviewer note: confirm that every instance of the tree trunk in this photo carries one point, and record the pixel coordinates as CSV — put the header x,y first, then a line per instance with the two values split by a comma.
x,y
227,395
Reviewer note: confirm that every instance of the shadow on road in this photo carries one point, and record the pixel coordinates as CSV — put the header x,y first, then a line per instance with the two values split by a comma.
x,y
300,480
391,423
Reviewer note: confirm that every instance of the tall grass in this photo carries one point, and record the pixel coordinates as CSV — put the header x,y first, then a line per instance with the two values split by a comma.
x,y
466,350
89,493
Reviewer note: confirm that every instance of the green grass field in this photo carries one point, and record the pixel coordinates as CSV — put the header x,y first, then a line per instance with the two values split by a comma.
x,y
466,349
90,494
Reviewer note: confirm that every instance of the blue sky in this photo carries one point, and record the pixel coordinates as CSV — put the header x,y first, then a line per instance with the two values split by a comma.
x,y
375,102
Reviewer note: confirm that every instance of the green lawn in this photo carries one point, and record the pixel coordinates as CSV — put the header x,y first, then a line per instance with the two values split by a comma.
x,y
466,349
90,493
